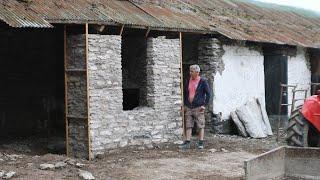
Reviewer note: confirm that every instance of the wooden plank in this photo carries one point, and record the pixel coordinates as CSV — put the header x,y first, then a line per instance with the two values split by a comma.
x,y
147,33
76,70
87,75
66,90
76,117
121,31
181,87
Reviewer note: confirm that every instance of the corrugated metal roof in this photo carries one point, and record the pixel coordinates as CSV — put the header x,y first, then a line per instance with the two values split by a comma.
x,y
236,19
248,20
244,20
17,14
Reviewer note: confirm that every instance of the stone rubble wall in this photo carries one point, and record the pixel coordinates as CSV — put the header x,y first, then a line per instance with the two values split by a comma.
x,y
158,122
77,109
210,62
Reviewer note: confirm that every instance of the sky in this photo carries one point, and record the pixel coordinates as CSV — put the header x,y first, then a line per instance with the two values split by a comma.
x,y
306,4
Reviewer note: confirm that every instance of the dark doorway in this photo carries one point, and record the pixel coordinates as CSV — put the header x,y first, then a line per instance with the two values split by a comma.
x,y
190,45
315,70
276,72
32,89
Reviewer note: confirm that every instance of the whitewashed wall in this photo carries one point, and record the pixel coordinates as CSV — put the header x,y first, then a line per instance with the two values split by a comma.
x,y
242,79
299,73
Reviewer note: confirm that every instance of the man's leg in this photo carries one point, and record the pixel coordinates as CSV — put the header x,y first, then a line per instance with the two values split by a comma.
x,y
201,124
186,143
188,134
201,134
189,125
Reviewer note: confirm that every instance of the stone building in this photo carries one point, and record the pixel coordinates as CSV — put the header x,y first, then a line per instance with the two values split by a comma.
x,y
108,74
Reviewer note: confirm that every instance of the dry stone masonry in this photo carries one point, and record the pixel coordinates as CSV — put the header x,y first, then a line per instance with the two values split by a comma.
x,y
77,97
210,60
160,121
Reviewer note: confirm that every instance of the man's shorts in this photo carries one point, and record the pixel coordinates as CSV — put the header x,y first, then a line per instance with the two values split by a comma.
x,y
194,115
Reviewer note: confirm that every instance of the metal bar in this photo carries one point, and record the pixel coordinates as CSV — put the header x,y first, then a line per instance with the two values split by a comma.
x,y
305,94
286,85
87,78
181,87
293,99
300,90
279,118
66,89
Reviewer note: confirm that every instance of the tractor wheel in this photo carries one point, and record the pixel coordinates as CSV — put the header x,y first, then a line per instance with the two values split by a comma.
x,y
300,132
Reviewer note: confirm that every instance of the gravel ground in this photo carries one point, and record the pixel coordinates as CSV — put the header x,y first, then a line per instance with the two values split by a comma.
x,y
222,158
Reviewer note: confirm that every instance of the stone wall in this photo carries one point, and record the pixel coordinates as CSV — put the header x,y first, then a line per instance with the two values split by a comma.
x,y
299,74
210,61
110,126
77,108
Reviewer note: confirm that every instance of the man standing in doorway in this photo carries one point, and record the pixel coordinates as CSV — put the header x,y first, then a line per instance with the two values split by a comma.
x,y
196,96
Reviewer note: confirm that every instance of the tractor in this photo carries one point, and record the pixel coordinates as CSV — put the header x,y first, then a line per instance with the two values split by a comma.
x,y
304,123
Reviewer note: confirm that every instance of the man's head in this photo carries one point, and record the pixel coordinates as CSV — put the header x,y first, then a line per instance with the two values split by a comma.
x,y
194,71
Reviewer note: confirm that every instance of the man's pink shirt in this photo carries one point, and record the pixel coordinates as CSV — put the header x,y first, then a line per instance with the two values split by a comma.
x,y
193,84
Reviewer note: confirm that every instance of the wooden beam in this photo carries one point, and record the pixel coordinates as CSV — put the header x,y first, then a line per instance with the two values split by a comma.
x,y
147,33
121,31
66,89
99,28
87,78
181,86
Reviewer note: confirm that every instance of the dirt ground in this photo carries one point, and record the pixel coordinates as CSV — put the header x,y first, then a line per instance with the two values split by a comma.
x,y
222,158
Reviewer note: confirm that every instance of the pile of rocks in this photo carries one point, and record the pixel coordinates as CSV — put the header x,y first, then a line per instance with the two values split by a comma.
x,y
7,174
62,164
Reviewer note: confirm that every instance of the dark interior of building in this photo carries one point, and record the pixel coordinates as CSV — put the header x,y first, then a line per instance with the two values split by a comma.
x,y
315,70
134,71
32,84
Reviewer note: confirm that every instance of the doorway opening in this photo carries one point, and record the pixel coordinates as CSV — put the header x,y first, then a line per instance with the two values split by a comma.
x,y
32,92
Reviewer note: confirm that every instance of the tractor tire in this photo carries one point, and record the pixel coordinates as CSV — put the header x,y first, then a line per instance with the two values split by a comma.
x,y
300,132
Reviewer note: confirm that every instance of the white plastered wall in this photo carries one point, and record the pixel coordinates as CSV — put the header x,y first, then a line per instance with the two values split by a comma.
x,y
299,74
242,79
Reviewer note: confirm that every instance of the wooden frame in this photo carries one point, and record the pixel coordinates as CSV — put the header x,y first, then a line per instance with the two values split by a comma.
x,y
65,89
121,31
87,76
181,86
147,33
67,72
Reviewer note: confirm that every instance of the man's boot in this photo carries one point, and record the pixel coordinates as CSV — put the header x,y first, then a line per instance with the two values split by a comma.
x,y
185,145
200,144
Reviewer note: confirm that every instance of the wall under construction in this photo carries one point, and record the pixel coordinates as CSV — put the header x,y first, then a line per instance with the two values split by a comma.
x,y
156,122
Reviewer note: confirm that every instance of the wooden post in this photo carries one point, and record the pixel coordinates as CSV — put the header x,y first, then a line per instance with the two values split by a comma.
x,y
121,31
181,87
66,89
147,33
87,76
